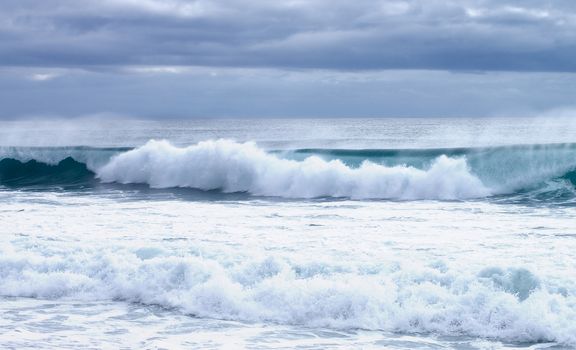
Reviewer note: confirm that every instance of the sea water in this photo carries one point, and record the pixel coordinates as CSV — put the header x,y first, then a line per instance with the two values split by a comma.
x,y
293,234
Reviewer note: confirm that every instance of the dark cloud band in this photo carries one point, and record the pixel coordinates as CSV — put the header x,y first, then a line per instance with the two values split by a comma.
x,y
483,35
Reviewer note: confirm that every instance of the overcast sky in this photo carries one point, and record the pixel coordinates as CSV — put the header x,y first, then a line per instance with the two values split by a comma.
x,y
262,58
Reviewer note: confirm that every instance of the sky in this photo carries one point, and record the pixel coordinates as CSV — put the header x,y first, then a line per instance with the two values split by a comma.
x,y
262,58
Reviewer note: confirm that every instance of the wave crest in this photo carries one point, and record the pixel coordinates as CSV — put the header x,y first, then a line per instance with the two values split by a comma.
x,y
522,174
243,167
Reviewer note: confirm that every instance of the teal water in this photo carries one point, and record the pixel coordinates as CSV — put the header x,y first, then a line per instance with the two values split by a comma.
x,y
541,173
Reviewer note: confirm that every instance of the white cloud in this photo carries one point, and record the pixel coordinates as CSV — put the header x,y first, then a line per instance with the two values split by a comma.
x,y
157,70
43,76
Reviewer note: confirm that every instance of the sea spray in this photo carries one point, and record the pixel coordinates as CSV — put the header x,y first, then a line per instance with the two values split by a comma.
x,y
529,173
235,167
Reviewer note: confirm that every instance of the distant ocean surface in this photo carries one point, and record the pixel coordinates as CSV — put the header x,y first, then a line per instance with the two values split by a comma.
x,y
288,234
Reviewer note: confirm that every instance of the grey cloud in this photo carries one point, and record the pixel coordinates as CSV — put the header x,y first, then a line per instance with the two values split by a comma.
x,y
492,35
157,92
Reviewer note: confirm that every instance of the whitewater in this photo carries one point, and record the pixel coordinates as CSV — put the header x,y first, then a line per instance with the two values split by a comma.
x,y
317,234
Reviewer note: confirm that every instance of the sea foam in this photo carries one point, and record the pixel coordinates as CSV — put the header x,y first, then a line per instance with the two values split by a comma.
x,y
243,167
507,304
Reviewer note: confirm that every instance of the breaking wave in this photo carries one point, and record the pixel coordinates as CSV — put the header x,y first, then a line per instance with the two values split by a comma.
x,y
227,166
504,303
233,167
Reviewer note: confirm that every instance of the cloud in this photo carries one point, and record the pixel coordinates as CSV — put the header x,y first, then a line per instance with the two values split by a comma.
x,y
196,92
243,58
43,76
482,35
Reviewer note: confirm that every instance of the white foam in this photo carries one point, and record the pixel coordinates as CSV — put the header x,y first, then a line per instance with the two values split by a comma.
x,y
243,167
408,299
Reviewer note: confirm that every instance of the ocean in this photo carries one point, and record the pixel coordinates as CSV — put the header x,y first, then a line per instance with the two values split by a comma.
x,y
452,233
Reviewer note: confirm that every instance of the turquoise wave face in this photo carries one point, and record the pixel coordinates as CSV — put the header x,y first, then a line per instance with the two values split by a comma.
x,y
537,173
68,173
570,176
506,170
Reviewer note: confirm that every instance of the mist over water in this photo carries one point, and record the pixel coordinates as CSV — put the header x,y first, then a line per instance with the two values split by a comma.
x,y
453,233
356,133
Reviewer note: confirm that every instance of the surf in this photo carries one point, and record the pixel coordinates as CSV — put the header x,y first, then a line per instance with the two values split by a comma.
x,y
232,167
495,302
